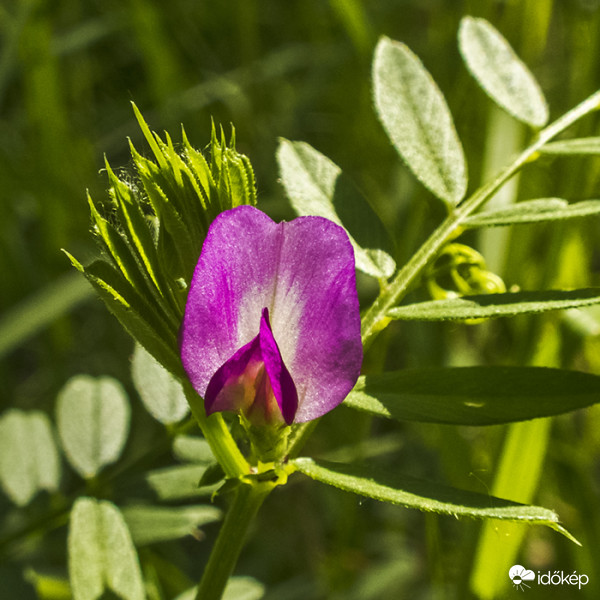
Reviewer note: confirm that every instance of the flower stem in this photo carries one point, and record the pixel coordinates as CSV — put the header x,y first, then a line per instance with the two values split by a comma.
x,y
374,319
223,558
218,436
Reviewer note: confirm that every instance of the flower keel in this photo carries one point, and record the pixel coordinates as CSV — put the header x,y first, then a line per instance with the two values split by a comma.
x,y
255,382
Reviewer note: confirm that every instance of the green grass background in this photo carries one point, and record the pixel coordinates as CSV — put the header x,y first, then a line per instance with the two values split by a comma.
x,y
300,69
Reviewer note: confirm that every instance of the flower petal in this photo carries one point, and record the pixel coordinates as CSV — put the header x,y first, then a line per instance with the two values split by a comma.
x,y
281,381
232,386
303,273
255,381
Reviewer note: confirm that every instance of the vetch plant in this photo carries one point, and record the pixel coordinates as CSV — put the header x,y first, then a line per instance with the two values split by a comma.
x,y
257,323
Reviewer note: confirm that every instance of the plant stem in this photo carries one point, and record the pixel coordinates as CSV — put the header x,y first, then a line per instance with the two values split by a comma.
x,y
218,436
374,319
223,558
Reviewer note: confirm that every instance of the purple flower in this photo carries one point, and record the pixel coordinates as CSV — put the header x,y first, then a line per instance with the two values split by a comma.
x,y
272,326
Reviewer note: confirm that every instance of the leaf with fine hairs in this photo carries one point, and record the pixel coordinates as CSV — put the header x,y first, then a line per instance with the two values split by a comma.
x,y
500,72
488,306
372,481
417,120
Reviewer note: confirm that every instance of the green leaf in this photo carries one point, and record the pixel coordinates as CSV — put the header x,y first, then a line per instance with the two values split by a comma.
x,y
193,449
577,146
416,118
160,392
93,422
474,395
238,588
243,588
177,483
534,211
29,460
501,73
101,553
371,481
151,524
315,186
487,306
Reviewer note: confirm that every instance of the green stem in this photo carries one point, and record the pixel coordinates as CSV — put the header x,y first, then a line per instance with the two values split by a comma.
x,y
374,319
218,436
225,553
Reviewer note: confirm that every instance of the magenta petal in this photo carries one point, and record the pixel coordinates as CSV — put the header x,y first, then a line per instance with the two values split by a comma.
x,y
226,379
281,381
254,381
302,272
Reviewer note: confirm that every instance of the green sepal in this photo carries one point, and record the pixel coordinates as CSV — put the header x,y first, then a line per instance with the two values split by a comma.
x,y
137,228
152,230
170,219
230,485
232,173
134,313
125,259
214,474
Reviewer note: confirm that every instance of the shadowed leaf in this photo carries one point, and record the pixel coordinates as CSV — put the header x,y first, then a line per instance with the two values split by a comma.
x,y
474,395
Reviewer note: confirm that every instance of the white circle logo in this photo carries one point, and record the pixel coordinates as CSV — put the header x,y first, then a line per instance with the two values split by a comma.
x,y
519,575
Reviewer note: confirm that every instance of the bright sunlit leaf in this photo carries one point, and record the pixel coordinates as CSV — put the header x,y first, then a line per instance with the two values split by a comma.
x,y
160,392
29,460
534,211
193,449
315,186
101,553
488,306
150,524
238,588
576,146
92,416
416,118
474,395
500,72
177,483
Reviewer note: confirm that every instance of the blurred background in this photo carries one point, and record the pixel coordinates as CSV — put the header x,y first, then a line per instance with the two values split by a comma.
x,y
300,69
